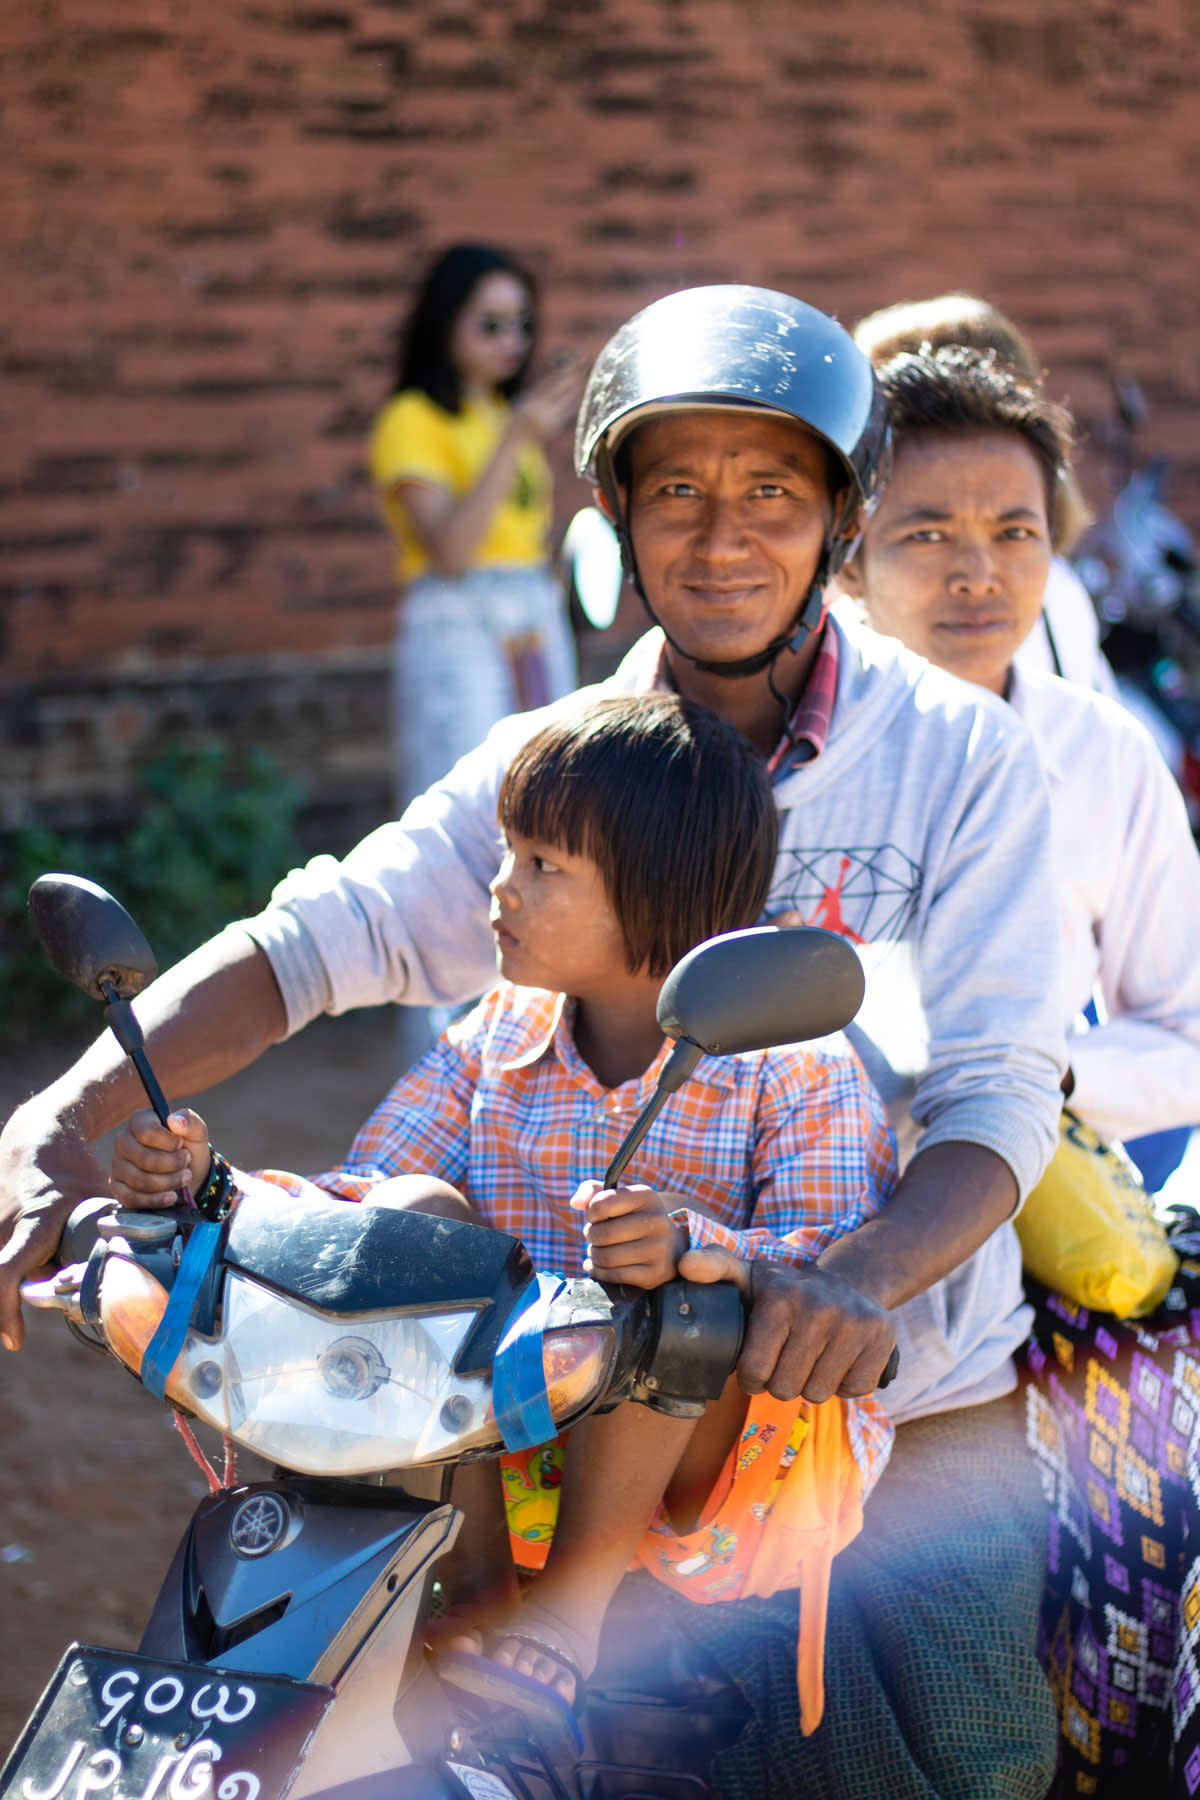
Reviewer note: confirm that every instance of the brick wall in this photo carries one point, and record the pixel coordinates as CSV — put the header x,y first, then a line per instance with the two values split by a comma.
x,y
214,214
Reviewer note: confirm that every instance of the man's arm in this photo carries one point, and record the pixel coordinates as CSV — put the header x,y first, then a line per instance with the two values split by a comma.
x,y
404,914
948,1202
825,1329
203,1020
987,1014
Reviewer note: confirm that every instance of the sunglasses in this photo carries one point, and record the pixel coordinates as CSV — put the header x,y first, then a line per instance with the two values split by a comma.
x,y
492,324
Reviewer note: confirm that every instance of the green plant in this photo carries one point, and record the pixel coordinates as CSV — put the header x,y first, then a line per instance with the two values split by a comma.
x,y
212,836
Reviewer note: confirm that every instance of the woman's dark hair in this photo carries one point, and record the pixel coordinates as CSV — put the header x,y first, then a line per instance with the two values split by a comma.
x,y
424,352
671,803
946,392
961,319
976,324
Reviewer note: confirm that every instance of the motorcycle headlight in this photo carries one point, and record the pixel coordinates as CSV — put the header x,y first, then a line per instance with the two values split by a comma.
x,y
331,1396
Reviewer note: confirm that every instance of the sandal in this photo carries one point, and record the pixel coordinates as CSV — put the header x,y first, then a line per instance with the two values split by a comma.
x,y
506,1694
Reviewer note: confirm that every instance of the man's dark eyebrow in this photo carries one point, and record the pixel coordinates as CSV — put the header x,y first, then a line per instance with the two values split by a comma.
x,y
937,515
659,465
794,465
675,466
912,514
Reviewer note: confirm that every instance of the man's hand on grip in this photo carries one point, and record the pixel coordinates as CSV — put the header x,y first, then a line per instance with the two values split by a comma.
x,y
807,1332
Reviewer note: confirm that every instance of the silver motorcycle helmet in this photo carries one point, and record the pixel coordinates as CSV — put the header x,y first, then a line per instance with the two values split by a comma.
x,y
725,349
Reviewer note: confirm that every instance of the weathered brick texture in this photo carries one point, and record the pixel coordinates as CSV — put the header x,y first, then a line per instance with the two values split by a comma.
x,y
213,215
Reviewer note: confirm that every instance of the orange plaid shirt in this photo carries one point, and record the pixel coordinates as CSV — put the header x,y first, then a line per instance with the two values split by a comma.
x,y
787,1148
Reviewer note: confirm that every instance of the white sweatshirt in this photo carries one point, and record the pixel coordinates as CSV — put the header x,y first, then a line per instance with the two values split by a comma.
x,y
1068,612
1129,891
922,830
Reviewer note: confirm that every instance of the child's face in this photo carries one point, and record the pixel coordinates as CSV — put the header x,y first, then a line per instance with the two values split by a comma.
x,y
554,924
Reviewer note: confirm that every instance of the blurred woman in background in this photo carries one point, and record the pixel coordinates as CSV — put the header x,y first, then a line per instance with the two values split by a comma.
x,y
456,458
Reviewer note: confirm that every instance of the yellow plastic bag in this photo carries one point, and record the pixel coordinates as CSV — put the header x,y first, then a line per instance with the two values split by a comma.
x,y
1088,1228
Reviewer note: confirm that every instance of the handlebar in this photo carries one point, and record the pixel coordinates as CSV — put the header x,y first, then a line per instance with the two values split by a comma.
x,y
675,1362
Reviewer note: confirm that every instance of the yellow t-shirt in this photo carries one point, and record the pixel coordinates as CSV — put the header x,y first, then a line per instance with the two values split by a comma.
x,y
415,440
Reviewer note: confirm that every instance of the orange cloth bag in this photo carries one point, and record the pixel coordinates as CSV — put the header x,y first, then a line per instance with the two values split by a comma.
x,y
789,1498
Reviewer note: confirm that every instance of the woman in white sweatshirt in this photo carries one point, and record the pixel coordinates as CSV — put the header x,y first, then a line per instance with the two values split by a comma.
x,y
953,562
1065,641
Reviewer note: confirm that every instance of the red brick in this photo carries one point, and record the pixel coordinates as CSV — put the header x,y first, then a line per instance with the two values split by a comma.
x,y
214,216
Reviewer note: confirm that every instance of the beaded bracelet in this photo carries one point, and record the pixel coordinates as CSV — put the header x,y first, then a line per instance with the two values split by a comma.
x,y
213,1198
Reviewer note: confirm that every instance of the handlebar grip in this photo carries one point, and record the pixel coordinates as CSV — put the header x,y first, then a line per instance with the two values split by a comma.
x,y
890,1369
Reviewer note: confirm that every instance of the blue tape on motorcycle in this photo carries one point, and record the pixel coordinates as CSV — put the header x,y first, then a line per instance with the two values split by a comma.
x,y
518,1379
164,1347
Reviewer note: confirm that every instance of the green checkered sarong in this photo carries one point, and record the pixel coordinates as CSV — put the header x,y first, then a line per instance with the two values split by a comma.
x,y
932,1686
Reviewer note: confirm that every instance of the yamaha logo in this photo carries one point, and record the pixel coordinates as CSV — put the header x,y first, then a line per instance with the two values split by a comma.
x,y
259,1524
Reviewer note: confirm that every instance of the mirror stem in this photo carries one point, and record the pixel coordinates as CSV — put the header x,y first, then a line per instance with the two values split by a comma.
x,y
675,1071
123,1024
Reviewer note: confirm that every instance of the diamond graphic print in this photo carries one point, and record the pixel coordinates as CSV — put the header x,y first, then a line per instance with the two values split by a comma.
x,y
868,895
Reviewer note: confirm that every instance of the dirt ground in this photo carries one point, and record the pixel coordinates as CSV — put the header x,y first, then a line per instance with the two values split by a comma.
x,y
95,1483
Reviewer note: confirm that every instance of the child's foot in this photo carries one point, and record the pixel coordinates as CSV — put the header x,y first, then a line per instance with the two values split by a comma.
x,y
478,1602
458,1628
548,1648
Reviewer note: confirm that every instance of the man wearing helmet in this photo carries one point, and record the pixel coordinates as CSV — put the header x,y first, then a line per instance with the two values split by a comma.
x,y
734,434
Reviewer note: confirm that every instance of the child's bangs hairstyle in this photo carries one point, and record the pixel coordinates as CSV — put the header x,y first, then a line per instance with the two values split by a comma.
x,y
952,391
672,805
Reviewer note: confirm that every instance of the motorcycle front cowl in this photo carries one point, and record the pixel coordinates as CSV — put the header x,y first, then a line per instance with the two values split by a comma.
x,y
344,1340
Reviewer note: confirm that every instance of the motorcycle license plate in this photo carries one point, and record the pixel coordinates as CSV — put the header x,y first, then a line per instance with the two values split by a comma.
x,y
122,1727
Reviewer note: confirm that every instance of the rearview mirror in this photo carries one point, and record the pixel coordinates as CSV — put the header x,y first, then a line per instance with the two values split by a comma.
x,y
752,989
89,937
592,554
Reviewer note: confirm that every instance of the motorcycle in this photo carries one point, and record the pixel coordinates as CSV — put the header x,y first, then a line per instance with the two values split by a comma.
x,y
1139,564
364,1353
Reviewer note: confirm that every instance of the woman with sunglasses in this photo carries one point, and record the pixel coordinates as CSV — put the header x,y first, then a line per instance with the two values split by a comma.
x,y
457,462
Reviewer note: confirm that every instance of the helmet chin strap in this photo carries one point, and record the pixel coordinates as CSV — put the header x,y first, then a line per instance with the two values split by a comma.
x,y
809,620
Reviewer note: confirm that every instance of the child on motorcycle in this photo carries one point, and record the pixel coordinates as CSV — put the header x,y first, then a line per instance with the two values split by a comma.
x,y
634,829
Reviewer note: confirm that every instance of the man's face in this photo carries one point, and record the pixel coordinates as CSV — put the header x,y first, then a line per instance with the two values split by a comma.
x,y
955,558
728,515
